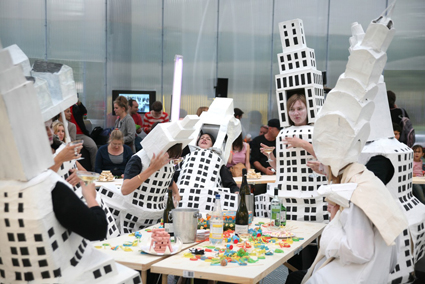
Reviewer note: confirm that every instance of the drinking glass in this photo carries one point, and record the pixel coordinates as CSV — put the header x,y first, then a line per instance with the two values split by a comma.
x,y
268,151
88,177
75,142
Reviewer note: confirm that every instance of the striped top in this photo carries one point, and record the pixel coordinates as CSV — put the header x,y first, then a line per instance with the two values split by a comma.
x,y
149,120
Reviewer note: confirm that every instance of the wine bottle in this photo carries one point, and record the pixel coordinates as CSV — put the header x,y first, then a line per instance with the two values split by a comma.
x,y
168,217
244,185
275,210
216,223
282,215
241,219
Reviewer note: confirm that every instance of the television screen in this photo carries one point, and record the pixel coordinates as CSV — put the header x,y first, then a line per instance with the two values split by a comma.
x,y
143,98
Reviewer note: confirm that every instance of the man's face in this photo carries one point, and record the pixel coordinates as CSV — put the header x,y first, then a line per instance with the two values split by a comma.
x,y
68,114
274,131
134,108
263,130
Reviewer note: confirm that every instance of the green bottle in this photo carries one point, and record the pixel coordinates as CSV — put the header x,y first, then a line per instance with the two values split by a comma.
x,y
168,218
241,219
275,210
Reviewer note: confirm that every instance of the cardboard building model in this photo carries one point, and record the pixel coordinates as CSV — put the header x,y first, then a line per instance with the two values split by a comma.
x,y
381,142
356,111
35,246
199,179
296,182
145,205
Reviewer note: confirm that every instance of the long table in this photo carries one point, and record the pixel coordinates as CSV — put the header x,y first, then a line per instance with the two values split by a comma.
x,y
418,180
133,259
264,179
251,273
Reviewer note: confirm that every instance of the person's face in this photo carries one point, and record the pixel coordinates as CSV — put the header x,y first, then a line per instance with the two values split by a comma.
x,y
418,154
48,125
263,130
118,110
134,108
116,144
205,141
157,113
273,131
68,114
397,134
60,132
298,113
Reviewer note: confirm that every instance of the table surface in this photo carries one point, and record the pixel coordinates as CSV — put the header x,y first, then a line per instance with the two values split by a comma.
x,y
133,259
116,182
418,180
234,273
262,180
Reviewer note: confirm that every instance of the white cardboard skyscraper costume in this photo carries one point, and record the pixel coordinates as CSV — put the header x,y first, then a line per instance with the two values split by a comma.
x,y
349,255
199,179
55,86
381,141
297,183
35,247
145,205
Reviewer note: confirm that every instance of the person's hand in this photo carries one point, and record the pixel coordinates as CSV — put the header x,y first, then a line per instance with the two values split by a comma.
x,y
68,153
89,193
264,153
293,142
270,171
73,179
333,209
159,161
317,167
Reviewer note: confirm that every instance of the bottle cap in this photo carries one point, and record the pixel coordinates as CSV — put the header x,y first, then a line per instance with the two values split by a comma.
x,y
217,196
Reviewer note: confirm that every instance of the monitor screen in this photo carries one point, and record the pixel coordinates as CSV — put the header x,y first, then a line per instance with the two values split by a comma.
x,y
143,98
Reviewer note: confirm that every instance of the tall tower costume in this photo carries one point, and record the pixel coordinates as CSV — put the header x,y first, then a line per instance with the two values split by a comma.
x,y
347,254
296,182
144,206
55,87
381,142
35,246
199,177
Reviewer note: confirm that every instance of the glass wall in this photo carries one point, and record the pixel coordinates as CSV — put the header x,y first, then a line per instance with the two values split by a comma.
x,y
131,44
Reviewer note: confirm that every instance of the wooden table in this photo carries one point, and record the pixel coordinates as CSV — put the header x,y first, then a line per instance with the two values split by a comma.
x,y
116,182
264,179
234,273
418,180
133,259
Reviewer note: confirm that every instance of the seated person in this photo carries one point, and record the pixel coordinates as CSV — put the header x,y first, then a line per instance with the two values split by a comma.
x,y
225,179
155,115
113,156
239,154
87,221
59,131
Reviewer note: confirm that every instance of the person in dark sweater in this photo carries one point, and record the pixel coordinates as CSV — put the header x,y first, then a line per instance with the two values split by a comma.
x,y
258,160
113,156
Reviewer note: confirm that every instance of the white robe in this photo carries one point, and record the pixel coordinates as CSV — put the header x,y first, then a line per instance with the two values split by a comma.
x,y
353,251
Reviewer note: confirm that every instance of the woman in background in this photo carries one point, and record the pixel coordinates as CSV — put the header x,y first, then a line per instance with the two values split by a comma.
x,y
113,156
239,154
59,131
125,122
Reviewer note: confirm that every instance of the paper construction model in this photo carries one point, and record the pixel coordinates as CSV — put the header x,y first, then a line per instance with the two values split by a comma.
x,y
344,131
342,127
49,109
381,142
35,246
145,205
220,122
199,179
296,182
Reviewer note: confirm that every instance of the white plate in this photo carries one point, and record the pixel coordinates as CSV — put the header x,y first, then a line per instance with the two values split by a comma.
x,y
177,246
